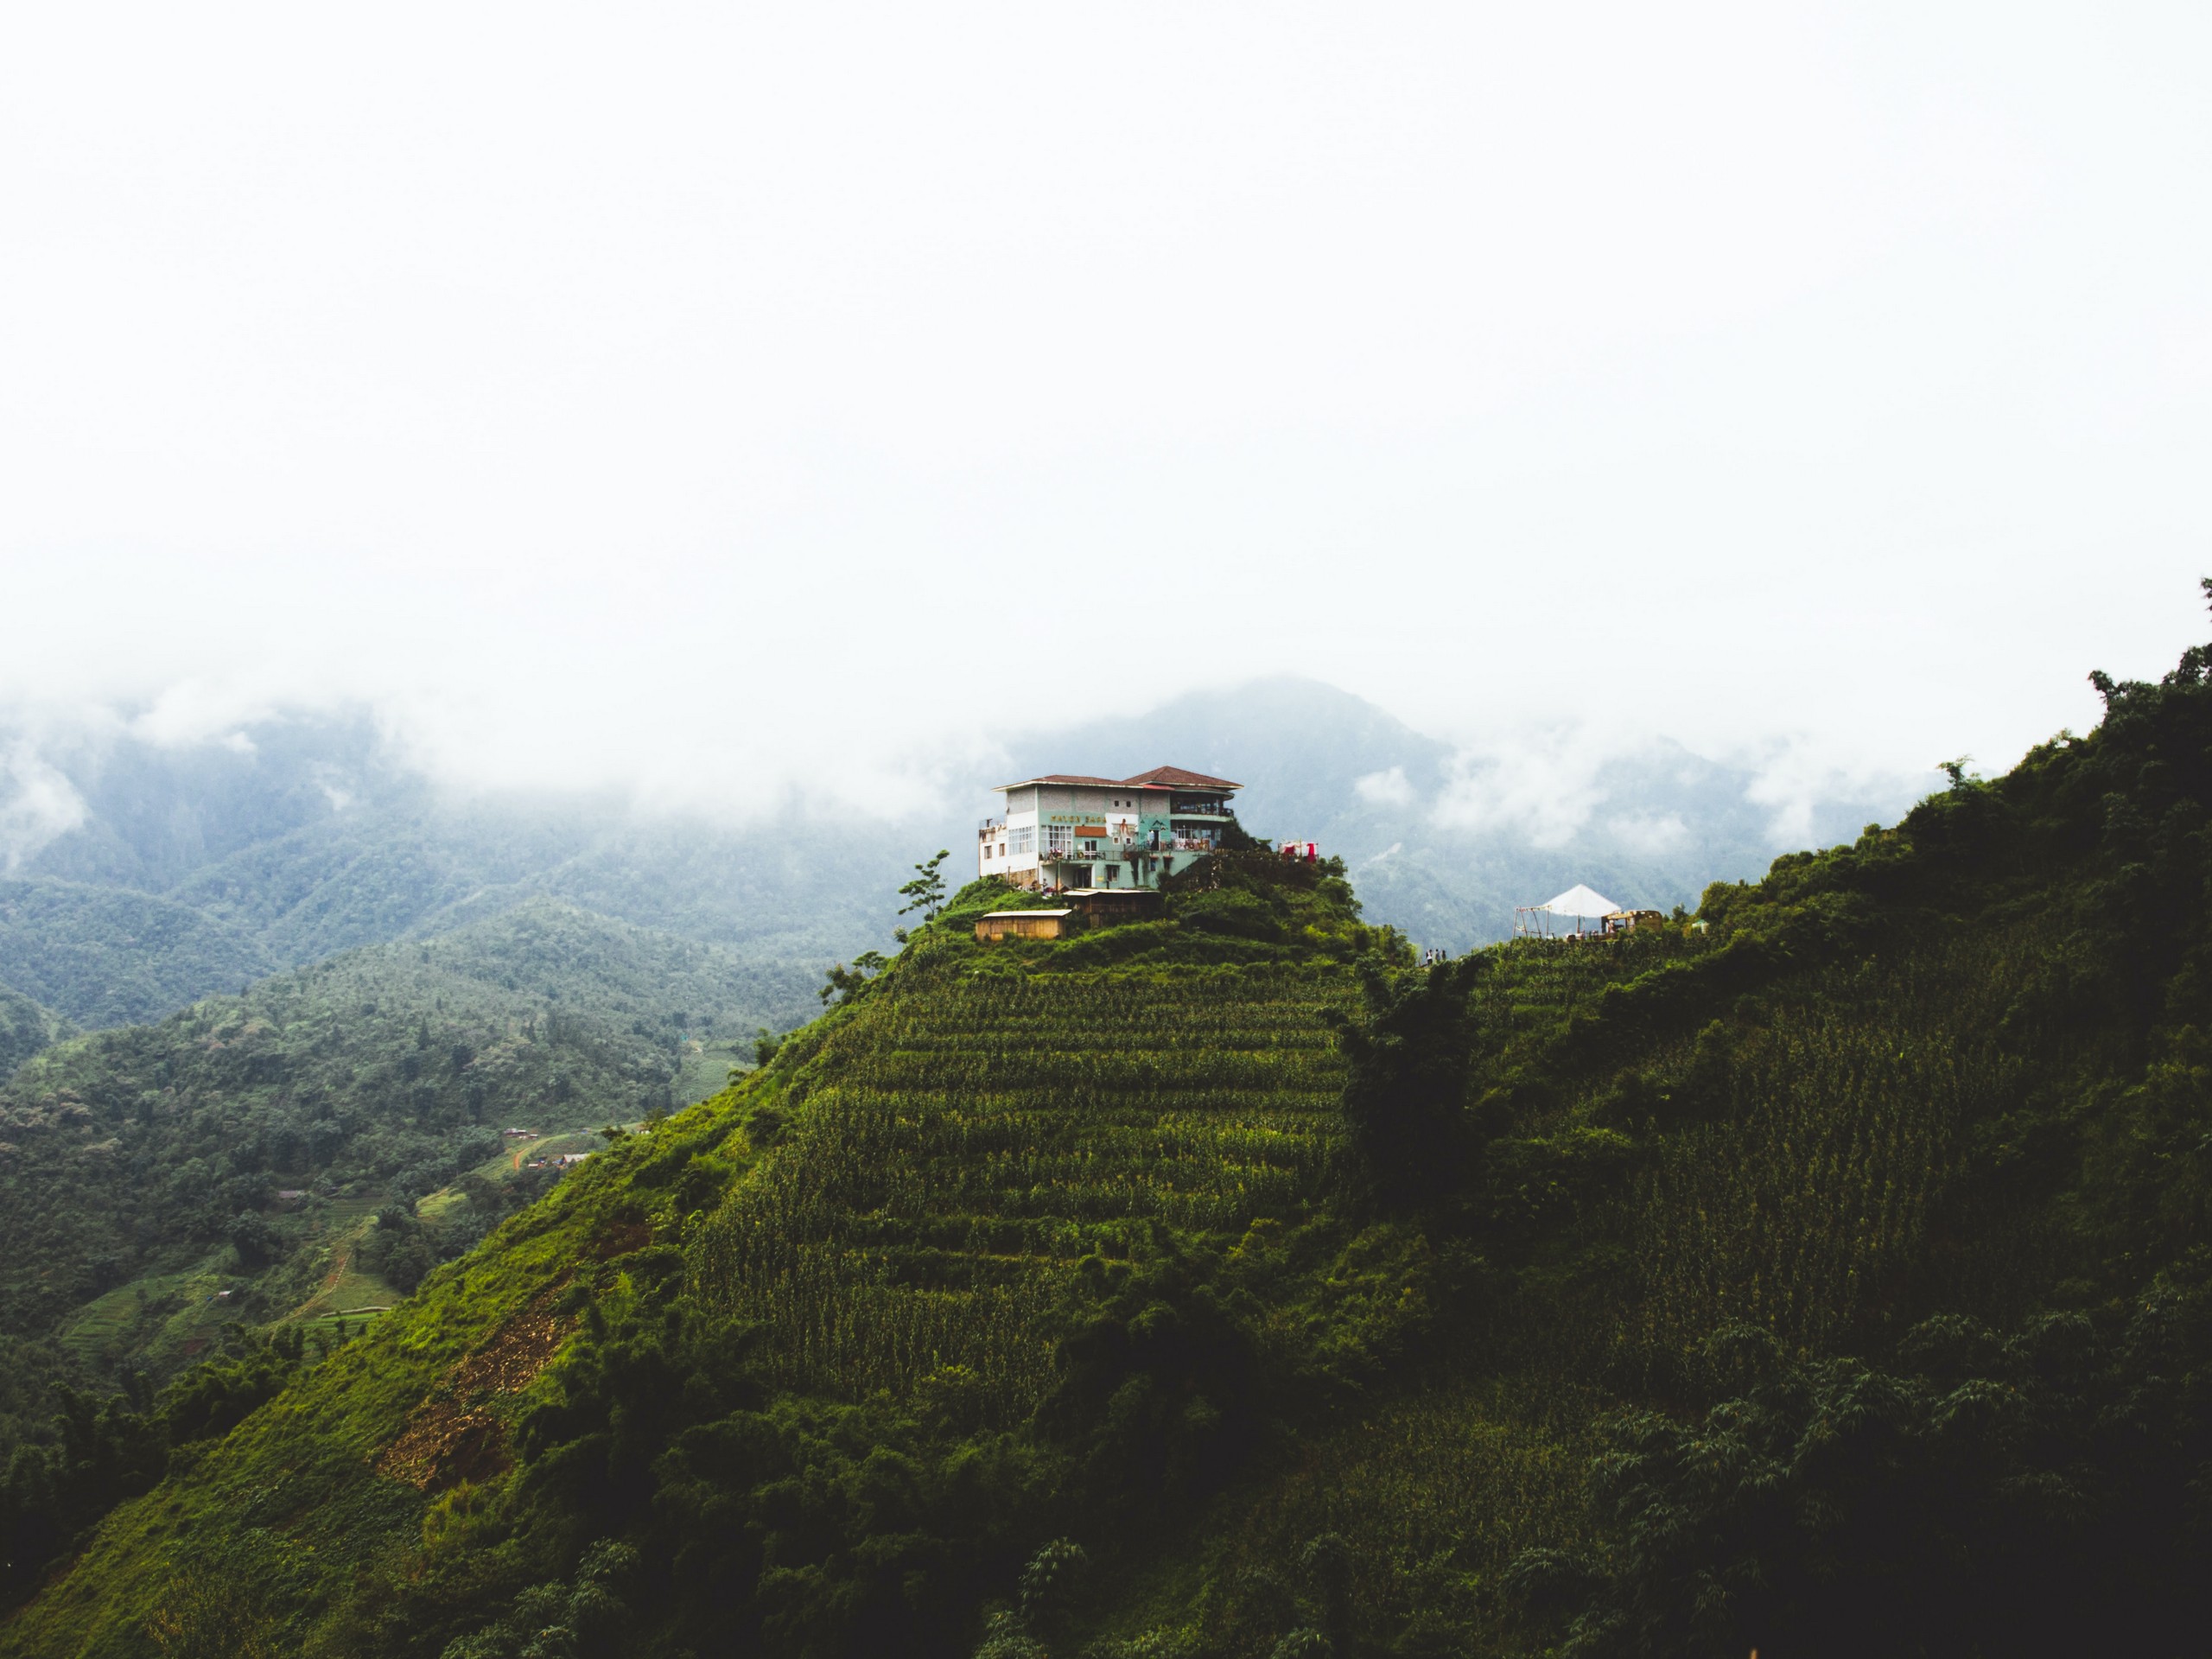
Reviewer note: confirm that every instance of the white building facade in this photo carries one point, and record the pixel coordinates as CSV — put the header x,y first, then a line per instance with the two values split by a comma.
x,y
1065,832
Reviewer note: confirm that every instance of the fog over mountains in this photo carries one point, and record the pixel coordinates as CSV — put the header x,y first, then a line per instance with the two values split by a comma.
x,y
138,875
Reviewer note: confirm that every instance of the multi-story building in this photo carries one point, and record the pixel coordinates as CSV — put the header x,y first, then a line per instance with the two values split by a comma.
x,y
1062,833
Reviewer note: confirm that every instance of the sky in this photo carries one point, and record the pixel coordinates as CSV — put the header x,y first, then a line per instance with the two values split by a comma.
x,y
708,400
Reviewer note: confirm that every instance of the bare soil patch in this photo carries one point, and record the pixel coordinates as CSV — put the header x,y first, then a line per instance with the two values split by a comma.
x,y
450,1436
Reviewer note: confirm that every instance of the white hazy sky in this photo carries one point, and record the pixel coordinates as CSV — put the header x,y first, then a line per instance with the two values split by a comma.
x,y
669,395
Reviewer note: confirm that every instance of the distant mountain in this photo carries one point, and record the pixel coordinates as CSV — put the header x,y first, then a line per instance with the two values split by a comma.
x,y
149,876
94,802
1443,845
111,956
140,876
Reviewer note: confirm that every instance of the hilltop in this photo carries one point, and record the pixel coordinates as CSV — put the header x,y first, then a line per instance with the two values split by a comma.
x,y
1828,1278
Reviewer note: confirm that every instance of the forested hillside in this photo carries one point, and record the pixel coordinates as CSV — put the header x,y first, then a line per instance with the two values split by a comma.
x,y
142,875
262,1157
1829,1279
25,1028
109,957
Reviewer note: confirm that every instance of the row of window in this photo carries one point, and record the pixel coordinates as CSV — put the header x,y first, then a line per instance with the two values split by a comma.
x,y
1061,838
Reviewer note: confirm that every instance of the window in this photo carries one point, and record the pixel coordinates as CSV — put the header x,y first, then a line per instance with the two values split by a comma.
x,y
1059,837
1022,839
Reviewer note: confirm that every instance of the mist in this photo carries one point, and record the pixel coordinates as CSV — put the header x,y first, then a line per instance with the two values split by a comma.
x,y
725,410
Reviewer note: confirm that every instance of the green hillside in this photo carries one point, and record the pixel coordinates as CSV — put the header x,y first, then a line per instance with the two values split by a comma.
x,y
107,957
25,1028
1830,1278
261,1157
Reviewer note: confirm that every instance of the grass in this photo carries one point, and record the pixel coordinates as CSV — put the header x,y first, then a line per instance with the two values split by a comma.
x,y
703,1068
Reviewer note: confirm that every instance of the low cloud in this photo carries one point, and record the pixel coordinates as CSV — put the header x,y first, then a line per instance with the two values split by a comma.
x,y
37,804
1792,781
1650,833
1543,789
194,711
1389,788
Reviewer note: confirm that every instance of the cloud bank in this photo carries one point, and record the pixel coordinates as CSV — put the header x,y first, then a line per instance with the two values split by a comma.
x,y
716,405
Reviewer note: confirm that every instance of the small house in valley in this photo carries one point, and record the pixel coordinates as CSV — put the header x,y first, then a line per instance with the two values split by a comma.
x,y
1067,831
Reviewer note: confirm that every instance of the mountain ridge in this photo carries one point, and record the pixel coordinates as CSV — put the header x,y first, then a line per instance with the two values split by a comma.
x,y
295,836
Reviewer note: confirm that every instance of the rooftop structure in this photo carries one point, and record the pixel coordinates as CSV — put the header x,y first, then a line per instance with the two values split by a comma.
x,y
1068,830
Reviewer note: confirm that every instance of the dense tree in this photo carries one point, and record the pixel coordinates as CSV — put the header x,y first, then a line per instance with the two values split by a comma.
x,y
1407,1072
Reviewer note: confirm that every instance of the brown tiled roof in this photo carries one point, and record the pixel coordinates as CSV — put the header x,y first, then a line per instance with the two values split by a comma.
x,y
1158,777
1176,777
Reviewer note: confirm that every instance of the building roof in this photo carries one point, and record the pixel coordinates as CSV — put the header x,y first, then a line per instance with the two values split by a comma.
x,y
1158,777
1176,778
1009,915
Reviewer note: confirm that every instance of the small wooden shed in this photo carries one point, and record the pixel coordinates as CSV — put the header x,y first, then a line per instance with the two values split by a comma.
x,y
1025,924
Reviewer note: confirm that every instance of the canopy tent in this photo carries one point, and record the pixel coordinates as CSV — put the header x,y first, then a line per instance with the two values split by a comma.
x,y
1578,902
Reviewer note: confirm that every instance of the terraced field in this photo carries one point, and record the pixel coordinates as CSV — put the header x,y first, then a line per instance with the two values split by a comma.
x,y
166,1316
965,1145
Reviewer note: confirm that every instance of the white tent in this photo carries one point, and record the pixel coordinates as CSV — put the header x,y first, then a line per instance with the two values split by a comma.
x,y
1579,902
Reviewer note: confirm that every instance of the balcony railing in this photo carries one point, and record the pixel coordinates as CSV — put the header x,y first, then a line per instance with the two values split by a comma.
x,y
1140,847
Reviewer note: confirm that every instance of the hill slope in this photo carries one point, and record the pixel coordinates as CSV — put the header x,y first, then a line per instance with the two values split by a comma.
x,y
1832,1280
105,957
141,1169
